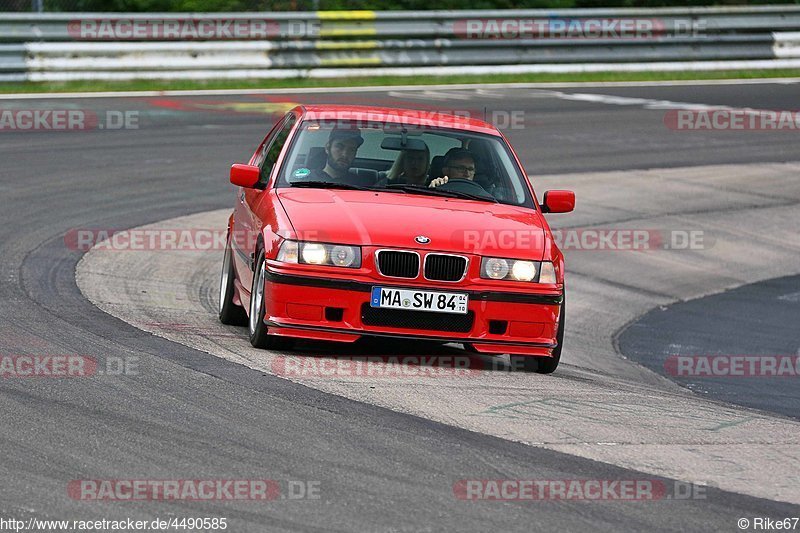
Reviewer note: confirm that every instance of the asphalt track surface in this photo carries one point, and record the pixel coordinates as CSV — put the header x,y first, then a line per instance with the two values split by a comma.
x,y
188,414
760,319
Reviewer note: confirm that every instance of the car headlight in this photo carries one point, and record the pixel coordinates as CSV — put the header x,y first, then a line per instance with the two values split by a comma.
x,y
345,256
523,270
494,268
547,273
517,270
316,253
313,253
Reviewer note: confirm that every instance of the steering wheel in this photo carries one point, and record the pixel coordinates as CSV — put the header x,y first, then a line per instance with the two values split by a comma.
x,y
462,185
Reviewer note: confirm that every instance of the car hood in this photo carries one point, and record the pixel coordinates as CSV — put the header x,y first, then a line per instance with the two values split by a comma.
x,y
395,219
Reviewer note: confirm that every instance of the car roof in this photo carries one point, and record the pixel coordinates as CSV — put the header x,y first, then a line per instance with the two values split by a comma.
x,y
418,117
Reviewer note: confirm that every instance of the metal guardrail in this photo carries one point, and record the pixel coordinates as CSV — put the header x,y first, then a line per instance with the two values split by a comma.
x,y
25,27
787,44
12,58
78,46
264,55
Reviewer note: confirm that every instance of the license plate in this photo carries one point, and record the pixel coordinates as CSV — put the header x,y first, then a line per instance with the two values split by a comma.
x,y
413,300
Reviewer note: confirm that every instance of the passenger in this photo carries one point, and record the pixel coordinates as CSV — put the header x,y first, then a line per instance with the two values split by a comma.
x,y
341,149
410,168
458,164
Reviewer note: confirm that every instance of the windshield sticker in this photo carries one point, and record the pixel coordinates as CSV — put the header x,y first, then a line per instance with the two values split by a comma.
x,y
301,173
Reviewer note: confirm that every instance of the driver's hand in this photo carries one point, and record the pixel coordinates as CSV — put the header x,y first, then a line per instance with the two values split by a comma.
x,y
439,181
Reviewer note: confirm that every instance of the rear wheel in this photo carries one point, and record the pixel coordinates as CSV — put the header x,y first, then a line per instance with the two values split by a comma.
x,y
229,313
543,365
258,330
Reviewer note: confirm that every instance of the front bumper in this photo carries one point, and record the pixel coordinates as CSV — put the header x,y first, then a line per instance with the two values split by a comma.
x,y
337,309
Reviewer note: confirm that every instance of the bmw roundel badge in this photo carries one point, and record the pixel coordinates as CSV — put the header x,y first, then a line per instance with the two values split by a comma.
x,y
422,239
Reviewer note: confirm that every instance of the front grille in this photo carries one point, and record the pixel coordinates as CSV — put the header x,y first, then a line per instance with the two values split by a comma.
x,y
424,320
398,264
445,267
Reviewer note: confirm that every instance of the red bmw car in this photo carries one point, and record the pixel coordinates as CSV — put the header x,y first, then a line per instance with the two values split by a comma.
x,y
359,221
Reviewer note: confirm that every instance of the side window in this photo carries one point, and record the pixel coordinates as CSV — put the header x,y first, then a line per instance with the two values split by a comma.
x,y
262,150
273,149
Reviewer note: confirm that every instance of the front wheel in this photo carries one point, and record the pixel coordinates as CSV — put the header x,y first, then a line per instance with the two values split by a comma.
x,y
543,365
229,313
258,330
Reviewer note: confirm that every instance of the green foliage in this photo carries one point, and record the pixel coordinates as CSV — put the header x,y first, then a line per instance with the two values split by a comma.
x,y
678,3
176,6
379,5
420,5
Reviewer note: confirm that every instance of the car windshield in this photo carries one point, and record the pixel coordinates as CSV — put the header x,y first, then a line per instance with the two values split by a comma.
x,y
404,159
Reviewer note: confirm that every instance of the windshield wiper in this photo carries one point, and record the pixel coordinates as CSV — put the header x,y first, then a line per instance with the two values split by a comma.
x,y
479,197
330,185
438,192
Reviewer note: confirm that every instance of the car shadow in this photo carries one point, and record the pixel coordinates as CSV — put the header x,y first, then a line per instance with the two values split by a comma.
x,y
410,353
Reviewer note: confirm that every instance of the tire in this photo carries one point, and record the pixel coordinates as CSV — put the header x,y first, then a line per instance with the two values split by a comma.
x,y
256,327
469,347
229,313
543,365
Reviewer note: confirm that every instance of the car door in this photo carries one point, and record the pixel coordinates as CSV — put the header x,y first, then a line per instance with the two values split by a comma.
x,y
246,221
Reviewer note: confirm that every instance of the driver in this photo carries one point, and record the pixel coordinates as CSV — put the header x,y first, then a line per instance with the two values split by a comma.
x,y
458,164
341,149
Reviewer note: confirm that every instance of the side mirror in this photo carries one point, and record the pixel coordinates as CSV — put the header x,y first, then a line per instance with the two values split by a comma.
x,y
558,202
245,175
